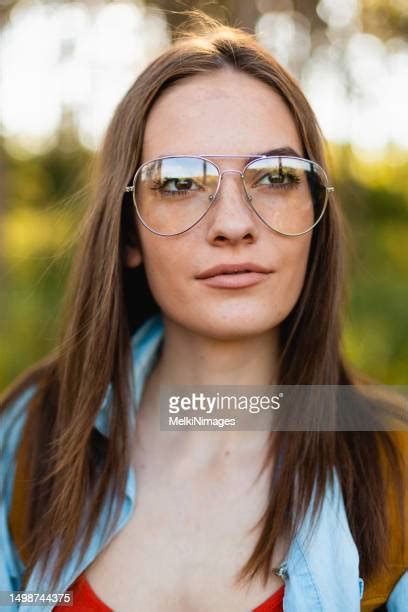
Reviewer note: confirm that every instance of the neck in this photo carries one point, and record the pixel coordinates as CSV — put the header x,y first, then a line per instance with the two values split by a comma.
x,y
188,358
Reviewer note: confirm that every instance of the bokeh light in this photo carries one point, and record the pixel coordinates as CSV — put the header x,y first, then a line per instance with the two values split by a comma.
x,y
74,59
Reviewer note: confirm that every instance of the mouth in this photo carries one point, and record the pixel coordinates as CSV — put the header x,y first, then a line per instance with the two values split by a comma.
x,y
233,269
235,280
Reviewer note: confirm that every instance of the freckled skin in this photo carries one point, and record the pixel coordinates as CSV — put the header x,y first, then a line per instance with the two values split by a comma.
x,y
222,112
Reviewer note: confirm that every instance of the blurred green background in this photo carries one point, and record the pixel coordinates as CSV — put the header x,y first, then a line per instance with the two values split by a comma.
x,y
350,59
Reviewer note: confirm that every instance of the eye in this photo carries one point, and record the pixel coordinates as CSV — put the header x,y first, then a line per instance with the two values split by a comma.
x,y
177,185
279,178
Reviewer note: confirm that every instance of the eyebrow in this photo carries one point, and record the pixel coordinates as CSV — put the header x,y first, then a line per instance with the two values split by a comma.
x,y
284,151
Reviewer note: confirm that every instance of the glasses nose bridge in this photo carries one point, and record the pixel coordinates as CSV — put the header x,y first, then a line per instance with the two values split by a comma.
x,y
248,198
231,171
221,174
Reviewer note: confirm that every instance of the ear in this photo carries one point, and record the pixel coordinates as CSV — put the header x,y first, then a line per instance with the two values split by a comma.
x,y
133,256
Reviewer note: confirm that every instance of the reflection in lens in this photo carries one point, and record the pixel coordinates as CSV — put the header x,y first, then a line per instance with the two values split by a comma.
x,y
289,194
173,193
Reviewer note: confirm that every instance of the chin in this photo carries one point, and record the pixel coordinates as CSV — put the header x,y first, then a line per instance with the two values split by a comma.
x,y
229,326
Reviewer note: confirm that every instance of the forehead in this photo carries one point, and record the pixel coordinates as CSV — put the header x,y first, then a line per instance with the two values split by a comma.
x,y
224,111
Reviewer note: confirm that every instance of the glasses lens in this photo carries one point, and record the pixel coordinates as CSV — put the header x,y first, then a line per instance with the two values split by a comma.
x,y
173,193
288,194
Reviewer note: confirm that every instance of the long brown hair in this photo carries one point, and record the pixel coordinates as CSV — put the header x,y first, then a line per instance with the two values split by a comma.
x,y
72,467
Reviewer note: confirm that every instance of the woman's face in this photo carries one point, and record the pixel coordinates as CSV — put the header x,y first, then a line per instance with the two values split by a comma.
x,y
222,112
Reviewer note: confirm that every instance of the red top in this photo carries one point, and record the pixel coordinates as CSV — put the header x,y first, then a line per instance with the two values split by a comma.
x,y
274,603
86,600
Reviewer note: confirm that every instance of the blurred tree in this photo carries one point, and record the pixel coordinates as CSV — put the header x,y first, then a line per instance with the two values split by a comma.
x,y
385,18
47,196
241,14
3,200
3,187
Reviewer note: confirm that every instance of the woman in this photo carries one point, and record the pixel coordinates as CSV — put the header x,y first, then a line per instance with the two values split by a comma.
x,y
212,254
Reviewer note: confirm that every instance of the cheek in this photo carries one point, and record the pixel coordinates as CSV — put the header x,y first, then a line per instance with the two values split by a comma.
x,y
157,266
163,260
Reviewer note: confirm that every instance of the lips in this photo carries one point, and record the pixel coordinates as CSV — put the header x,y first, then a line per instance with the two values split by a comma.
x,y
237,268
234,276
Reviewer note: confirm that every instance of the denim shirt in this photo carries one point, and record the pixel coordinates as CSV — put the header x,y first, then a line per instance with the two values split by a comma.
x,y
321,573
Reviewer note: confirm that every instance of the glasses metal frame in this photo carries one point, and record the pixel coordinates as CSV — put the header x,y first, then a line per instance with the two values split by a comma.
x,y
212,198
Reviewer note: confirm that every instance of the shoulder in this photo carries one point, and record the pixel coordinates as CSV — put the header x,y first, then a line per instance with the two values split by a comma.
x,y
12,419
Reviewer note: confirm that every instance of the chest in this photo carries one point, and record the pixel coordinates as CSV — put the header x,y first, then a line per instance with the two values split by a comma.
x,y
189,535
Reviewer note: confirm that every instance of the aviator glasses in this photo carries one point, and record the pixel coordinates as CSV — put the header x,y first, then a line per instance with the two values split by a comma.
x,y
173,193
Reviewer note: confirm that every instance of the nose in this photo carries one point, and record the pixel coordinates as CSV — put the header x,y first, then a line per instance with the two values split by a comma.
x,y
231,216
